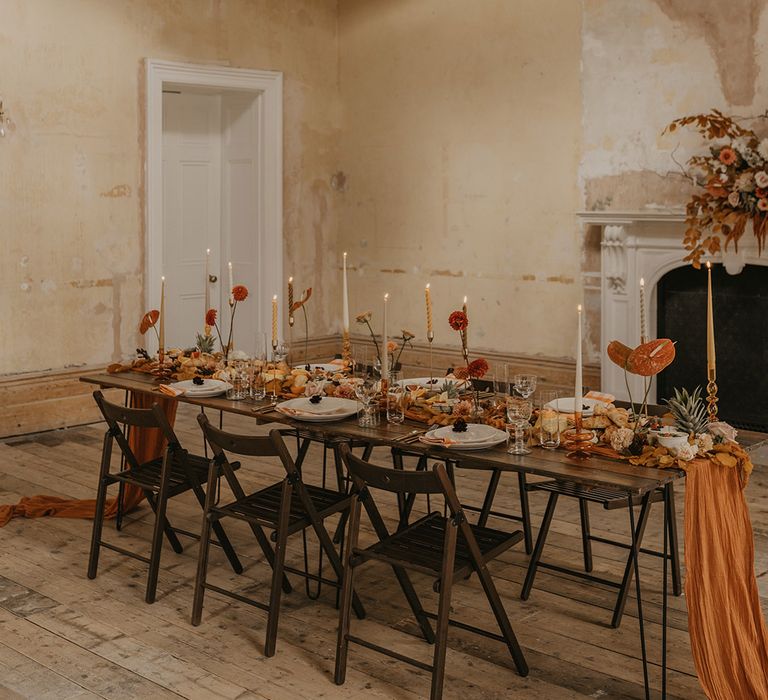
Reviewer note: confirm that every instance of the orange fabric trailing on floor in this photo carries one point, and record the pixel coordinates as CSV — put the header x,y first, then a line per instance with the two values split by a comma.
x,y
146,444
729,640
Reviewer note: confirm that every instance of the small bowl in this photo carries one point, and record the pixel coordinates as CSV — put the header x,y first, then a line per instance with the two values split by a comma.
x,y
672,439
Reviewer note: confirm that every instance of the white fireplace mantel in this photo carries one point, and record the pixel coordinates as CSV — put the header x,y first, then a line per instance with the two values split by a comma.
x,y
642,244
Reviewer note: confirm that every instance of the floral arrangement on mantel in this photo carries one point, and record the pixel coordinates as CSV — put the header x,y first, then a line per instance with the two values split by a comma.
x,y
734,178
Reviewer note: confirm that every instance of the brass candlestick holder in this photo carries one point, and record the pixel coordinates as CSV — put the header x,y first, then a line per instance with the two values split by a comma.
x,y
577,440
430,338
346,349
712,396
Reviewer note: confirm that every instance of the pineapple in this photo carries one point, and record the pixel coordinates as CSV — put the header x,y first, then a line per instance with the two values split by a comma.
x,y
449,389
689,411
204,343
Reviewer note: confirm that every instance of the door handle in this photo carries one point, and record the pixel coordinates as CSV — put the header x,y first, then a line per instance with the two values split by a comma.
x,y
213,279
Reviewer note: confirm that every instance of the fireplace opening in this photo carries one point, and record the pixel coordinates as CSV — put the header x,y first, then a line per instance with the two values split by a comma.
x,y
740,304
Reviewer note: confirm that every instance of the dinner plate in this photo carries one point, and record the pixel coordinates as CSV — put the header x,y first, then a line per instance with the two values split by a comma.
x,y
566,405
209,388
331,408
323,367
477,437
434,384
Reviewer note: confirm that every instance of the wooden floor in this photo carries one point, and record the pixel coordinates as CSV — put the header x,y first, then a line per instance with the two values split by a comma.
x,y
63,636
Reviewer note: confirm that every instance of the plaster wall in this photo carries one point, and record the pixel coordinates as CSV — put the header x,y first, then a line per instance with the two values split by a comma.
x,y
71,167
461,140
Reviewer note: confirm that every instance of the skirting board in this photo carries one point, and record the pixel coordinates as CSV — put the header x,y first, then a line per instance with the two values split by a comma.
x,y
34,402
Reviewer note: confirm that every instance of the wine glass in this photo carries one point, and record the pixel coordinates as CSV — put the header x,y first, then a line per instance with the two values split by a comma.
x,y
366,387
525,384
518,414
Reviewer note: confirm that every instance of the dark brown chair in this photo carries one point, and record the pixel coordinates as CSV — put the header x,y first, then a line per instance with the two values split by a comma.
x,y
447,546
286,507
610,499
162,478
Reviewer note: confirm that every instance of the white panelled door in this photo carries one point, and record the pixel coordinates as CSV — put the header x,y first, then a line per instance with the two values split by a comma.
x,y
241,209
191,210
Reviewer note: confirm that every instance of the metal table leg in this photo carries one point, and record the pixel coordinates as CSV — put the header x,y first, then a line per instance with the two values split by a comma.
x,y
634,553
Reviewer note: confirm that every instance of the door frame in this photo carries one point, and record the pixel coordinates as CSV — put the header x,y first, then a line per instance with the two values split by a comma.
x,y
267,86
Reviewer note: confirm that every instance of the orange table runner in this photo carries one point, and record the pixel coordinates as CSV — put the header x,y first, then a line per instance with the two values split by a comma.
x,y
146,444
729,640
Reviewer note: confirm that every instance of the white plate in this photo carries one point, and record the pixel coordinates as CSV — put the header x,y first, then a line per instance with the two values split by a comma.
x,y
477,437
433,384
331,408
209,387
327,367
566,405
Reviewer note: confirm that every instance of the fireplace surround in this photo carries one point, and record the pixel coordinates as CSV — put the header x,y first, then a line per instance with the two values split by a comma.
x,y
646,244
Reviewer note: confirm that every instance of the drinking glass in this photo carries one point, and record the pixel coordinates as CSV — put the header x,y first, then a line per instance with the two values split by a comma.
x,y
549,420
525,384
239,380
395,399
518,414
366,387
258,368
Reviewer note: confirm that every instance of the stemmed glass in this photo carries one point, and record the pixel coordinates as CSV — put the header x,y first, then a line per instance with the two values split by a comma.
x,y
518,414
525,384
366,388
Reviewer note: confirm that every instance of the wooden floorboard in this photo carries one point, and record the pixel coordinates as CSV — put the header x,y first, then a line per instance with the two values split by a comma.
x,y
64,636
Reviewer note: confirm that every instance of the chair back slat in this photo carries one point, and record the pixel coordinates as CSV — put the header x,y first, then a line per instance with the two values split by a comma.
x,y
391,480
244,445
117,416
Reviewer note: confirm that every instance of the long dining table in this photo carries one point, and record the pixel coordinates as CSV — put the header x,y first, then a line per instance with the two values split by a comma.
x,y
638,483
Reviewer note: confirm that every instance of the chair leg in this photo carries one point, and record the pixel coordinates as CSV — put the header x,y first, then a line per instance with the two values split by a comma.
x,y
677,584
345,604
169,533
218,530
98,517
537,550
443,609
157,534
502,619
397,463
626,580
202,556
277,571
525,511
586,542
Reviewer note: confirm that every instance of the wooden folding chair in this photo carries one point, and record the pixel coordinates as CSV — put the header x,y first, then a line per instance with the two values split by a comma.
x,y
162,478
444,545
286,507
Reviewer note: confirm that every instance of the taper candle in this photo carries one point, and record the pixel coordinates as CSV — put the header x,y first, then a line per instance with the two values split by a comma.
x,y
207,276
231,284
643,329
428,299
578,384
274,320
161,333
290,301
711,370
464,307
384,351
345,297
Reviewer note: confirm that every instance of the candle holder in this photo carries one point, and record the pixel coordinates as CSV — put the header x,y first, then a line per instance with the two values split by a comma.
x,y
577,440
346,349
712,398
430,338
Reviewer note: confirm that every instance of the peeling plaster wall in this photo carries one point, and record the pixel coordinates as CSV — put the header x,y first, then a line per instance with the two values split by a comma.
x,y
461,133
71,183
646,62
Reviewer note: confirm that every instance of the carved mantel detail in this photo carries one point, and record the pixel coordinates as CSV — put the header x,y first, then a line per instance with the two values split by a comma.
x,y
615,257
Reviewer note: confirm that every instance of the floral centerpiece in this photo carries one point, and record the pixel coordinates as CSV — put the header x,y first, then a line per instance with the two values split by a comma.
x,y
733,177
405,338
475,369
239,294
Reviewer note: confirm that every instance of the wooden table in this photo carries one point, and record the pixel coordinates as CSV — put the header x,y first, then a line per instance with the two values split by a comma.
x,y
597,471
